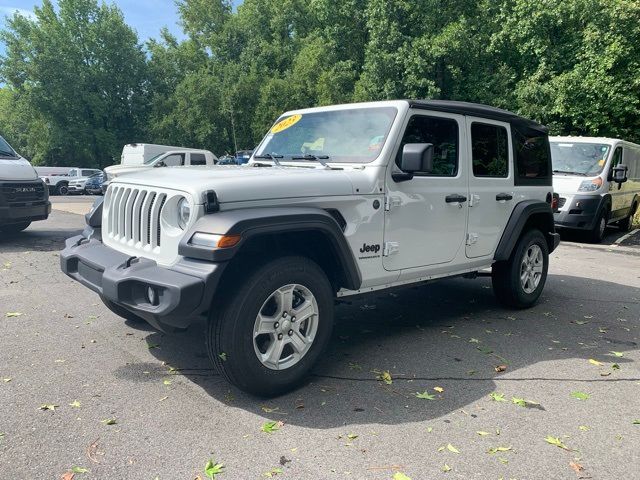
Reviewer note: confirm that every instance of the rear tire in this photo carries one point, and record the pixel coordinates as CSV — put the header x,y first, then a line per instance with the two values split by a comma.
x,y
15,227
121,311
627,223
519,281
254,338
62,189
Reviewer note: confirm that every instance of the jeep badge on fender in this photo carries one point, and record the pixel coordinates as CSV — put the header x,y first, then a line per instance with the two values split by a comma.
x,y
265,264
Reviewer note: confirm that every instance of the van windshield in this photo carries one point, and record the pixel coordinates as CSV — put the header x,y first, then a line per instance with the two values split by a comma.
x,y
586,159
154,158
349,136
6,150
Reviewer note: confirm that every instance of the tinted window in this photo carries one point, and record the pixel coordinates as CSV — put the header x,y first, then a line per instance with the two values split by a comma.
x,y
198,159
490,150
443,134
88,173
533,157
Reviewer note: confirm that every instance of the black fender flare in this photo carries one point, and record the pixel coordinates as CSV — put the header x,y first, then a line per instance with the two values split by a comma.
x,y
518,220
252,222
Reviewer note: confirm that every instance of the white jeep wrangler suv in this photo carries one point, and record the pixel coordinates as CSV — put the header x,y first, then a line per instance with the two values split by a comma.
x,y
336,201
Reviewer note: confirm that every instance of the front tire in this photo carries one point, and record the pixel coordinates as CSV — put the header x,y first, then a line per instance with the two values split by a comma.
x,y
62,189
596,234
15,227
268,334
519,281
627,223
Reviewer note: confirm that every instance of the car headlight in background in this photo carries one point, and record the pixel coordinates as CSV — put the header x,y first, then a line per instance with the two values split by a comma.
x,y
184,213
590,185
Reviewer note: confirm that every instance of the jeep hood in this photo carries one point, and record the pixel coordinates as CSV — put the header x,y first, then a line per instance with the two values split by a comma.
x,y
244,183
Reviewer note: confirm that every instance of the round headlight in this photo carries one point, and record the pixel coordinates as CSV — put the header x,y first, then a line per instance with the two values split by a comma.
x,y
184,213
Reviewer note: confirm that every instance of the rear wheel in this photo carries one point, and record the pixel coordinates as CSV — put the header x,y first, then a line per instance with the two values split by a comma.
x,y
121,311
627,223
15,227
267,336
519,281
62,189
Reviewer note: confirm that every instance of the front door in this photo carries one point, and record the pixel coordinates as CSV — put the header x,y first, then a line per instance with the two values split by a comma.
x,y
423,226
491,192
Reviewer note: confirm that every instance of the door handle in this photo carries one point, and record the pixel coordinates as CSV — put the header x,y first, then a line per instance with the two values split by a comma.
x,y
455,198
504,197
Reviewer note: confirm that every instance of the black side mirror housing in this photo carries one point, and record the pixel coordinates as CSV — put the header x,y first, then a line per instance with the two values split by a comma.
x,y
416,157
620,173
160,164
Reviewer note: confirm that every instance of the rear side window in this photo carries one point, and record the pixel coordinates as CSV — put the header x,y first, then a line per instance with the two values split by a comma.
x,y
490,150
198,159
174,160
443,134
533,157
631,159
88,173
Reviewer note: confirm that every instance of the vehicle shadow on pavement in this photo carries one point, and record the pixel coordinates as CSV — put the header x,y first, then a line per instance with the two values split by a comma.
x,y
36,240
451,334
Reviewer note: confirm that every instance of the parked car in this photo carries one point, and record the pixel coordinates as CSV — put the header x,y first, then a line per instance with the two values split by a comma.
x,y
227,160
59,184
142,153
243,156
170,158
598,180
348,200
93,186
24,198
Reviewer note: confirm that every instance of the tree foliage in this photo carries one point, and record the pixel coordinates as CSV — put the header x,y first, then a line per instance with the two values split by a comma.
x,y
79,85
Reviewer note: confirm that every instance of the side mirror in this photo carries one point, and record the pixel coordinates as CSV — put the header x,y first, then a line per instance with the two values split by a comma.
x,y
416,157
160,164
620,173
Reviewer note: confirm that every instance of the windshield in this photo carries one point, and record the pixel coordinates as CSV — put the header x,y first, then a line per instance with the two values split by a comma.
x,y
349,136
5,149
586,159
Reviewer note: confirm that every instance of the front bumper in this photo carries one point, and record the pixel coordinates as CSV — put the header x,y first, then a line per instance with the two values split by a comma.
x,y
17,214
580,212
184,291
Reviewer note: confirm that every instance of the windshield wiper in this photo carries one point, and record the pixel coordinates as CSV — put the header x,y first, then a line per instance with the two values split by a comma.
x,y
8,154
316,158
268,156
570,173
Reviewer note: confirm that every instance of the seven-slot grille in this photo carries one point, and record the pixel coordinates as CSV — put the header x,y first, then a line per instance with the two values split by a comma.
x,y
134,215
19,193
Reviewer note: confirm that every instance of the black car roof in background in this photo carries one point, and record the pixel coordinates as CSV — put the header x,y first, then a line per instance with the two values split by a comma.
x,y
477,109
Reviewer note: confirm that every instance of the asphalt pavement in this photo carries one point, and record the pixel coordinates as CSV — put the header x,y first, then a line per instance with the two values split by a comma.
x,y
552,392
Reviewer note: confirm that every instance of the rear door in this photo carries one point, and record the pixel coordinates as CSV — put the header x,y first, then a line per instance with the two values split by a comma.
x,y
422,225
491,191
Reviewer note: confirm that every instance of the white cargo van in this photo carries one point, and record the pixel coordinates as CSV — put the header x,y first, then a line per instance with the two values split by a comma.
x,y
24,198
598,180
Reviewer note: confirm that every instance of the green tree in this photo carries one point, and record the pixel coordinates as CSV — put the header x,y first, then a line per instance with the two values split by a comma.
x,y
82,72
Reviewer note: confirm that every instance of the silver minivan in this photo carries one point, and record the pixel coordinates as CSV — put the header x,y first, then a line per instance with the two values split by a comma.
x,y
598,181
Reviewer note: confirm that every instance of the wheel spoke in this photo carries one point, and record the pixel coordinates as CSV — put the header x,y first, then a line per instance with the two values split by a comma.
x,y
284,297
273,353
264,325
298,342
304,311
537,268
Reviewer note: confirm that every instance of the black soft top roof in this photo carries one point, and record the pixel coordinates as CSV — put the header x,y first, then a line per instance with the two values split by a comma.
x,y
476,109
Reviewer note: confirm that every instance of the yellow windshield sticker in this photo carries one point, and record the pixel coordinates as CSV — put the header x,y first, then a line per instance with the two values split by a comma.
x,y
286,123
601,162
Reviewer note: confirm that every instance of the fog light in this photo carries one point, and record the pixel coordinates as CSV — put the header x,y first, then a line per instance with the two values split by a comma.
x,y
152,296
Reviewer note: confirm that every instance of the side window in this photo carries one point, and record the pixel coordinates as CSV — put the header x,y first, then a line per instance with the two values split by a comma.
x,y
198,159
617,157
533,157
175,160
443,134
490,150
87,173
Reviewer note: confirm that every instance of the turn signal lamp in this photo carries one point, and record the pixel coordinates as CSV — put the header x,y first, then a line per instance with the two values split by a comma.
x,y
212,240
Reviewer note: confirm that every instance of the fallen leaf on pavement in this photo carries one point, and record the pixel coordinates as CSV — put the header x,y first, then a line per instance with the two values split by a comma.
x,y
482,434
273,472
500,368
425,395
48,406
438,389
79,470
493,450
595,362
211,469
576,467
13,314
109,421
67,476
75,403
385,377
497,397
617,354
270,427
580,395
452,449
446,468
555,441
